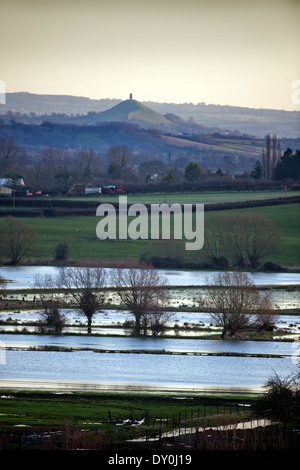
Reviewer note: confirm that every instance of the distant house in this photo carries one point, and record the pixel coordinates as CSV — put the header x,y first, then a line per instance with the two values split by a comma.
x,y
4,191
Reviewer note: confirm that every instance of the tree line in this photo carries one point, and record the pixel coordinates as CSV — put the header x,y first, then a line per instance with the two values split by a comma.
x,y
275,166
234,302
65,170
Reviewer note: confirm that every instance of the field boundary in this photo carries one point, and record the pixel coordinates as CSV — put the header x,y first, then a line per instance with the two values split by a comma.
x,y
63,208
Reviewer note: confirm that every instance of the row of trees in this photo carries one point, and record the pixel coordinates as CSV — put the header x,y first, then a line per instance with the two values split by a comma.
x,y
274,166
58,170
140,289
232,299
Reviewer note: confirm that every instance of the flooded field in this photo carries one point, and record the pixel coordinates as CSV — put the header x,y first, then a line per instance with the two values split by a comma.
x,y
159,345
113,321
143,370
24,276
112,358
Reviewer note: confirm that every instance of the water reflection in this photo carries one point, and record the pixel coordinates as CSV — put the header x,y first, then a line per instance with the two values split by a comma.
x,y
111,317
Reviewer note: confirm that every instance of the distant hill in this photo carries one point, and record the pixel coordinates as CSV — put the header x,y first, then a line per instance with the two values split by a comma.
x,y
134,112
258,122
23,102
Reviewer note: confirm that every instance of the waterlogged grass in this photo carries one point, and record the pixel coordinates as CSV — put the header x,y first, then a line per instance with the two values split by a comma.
x,y
107,410
80,235
114,422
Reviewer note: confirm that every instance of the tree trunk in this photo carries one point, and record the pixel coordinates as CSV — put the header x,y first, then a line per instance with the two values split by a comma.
x,y
137,327
89,325
224,332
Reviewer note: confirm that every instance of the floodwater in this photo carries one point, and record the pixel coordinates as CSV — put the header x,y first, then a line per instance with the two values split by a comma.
x,y
190,369
24,276
180,345
195,323
144,370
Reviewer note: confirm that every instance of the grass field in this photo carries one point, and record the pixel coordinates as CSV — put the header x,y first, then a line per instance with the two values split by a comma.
x,y
194,198
30,414
80,235
221,145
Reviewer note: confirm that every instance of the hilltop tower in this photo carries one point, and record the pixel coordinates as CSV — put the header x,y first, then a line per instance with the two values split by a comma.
x,y
130,96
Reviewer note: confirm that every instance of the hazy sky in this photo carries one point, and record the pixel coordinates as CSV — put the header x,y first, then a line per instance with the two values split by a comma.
x,y
236,52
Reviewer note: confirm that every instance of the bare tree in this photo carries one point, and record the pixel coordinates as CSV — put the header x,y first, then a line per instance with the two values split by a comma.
x,y
53,170
156,321
214,244
16,240
85,285
251,239
235,302
85,165
143,291
274,155
120,159
268,156
12,159
281,401
263,164
51,300
2,282
240,240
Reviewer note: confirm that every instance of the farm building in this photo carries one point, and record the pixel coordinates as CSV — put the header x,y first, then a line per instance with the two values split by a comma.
x,y
4,191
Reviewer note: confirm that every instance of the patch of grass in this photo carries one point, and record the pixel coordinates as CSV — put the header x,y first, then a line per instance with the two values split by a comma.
x,y
193,198
106,410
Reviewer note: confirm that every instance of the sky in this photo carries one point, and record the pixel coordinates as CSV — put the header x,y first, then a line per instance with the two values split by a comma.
x,y
235,52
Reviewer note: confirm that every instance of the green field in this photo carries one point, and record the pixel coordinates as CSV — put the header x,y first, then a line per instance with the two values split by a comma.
x,y
80,235
96,420
193,198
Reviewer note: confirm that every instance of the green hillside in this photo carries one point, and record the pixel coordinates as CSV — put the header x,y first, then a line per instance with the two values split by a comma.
x,y
134,111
